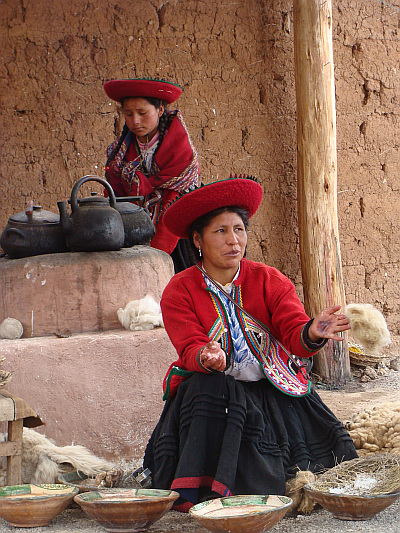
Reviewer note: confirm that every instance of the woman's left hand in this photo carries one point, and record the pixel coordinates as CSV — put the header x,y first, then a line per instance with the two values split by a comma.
x,y
327,324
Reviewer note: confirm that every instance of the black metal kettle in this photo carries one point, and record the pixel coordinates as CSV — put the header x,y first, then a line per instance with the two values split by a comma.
x,y
138,226
32,232
94,223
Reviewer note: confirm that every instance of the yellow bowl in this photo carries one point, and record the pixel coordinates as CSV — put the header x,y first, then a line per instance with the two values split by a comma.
x,y
236,514
34,505
126,510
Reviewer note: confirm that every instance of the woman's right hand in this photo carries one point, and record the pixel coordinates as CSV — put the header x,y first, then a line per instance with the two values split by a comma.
x,y
213,357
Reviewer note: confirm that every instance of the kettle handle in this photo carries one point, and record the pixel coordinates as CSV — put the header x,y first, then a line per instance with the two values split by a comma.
x,y
15,231
81,181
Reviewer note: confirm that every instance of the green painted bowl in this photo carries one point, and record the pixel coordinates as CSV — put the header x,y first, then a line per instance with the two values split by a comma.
x,y
238,514
34,505
126,510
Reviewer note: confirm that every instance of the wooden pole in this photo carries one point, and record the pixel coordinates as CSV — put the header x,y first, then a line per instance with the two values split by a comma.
x,y
317,175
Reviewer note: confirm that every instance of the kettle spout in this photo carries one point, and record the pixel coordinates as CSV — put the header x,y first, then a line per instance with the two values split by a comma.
x,y
64,218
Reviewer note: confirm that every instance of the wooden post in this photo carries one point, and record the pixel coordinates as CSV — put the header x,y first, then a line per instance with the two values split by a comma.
x,y
317,175
13,449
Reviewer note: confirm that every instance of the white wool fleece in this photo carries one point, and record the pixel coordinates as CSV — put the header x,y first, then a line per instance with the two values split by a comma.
x,y
368,327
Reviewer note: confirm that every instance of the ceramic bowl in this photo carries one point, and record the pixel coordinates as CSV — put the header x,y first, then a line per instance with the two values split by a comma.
x,y
126,510
34,505
238,514
350,506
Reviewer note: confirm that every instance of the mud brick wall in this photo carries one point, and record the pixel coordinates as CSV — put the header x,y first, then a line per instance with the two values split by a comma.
x,y
234,60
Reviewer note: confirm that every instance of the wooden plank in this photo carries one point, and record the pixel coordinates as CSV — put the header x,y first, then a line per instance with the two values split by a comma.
x,y
20,409
14,462
10,448
7,408
317,175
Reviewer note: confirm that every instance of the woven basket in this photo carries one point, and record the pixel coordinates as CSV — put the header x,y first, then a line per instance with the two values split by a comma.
x,y
360,358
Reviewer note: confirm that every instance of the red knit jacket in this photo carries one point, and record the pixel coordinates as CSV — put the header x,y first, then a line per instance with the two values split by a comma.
x,y
190,315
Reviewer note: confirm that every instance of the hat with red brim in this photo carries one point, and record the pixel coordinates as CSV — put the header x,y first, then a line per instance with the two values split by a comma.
x,y
243,192
140,87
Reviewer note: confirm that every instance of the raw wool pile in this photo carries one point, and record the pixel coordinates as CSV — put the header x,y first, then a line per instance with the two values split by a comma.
x,y
368,327
377,429
138,315
43,461
302,503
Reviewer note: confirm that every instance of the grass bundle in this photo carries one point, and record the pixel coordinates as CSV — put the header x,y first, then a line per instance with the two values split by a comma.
x,y
372,475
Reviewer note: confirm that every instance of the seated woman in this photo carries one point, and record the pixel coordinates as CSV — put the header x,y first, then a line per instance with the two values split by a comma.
x,y
154,156
241,416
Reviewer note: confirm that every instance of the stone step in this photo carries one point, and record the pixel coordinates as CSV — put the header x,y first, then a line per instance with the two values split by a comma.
x,y
102,390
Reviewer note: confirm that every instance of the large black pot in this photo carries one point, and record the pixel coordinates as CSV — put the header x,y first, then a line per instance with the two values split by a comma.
x,y
33,232
138,226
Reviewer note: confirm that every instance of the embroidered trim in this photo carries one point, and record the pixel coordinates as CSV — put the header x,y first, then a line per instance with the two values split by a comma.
x,y
265,350
178,372
220,330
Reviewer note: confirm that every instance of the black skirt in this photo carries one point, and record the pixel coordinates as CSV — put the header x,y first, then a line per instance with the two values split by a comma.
x,y
222,437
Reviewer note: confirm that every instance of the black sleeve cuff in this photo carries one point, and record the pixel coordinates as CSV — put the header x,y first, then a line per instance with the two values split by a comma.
x,y
313,346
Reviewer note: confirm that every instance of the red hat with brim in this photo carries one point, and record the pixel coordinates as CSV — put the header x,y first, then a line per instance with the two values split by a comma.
x,y
242,192
163,90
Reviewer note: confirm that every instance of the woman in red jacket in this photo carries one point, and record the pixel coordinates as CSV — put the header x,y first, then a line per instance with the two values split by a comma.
x,y
154,156
241,416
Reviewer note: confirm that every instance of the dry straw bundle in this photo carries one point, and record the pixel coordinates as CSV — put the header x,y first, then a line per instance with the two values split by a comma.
x,y
372,475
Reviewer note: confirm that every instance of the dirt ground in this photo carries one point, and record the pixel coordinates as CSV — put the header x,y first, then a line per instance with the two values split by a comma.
x,y
345,402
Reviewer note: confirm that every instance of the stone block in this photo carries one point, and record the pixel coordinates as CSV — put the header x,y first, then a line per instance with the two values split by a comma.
x,y
101,390
79,292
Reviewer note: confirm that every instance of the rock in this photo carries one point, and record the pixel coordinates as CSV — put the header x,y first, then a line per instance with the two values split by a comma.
x,y
395,364
11,328
369,374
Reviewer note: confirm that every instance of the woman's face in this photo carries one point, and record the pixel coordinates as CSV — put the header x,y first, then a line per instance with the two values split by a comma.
x,y
141,117
223,245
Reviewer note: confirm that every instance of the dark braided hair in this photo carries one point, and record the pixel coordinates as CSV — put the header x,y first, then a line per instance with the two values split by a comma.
x,y
124,133
163,124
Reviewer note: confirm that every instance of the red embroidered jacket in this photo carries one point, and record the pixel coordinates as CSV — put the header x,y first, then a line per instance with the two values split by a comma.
x,y
177,164
192,319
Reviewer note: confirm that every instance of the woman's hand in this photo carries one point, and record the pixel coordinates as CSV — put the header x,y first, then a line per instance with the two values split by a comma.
x,y
327,324
213,357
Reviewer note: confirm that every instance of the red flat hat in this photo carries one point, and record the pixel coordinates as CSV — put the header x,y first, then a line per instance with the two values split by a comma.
x,y
163,90
240,191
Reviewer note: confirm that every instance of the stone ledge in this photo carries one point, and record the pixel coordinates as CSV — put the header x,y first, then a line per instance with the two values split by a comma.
x,y
102,390
79,292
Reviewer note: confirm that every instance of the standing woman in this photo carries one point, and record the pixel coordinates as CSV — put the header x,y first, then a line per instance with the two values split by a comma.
x,y
154,156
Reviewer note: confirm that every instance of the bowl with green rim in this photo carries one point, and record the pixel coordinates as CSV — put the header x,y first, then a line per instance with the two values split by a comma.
x,y
32,505
237,514
126,510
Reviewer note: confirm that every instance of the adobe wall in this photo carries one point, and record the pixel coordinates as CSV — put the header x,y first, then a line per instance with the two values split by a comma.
x,y
234,61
